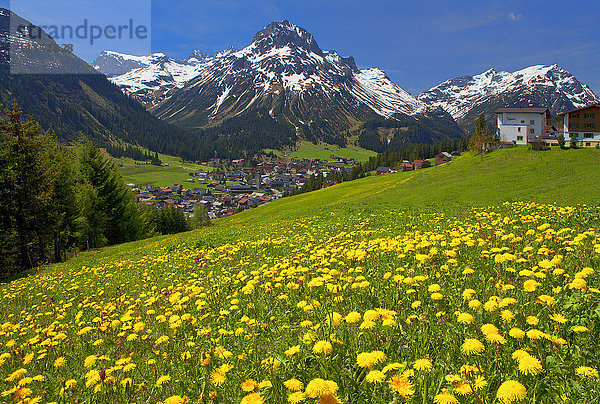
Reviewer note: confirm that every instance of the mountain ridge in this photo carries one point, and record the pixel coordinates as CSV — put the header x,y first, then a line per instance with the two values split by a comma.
x,y
283,80
83,102
549,86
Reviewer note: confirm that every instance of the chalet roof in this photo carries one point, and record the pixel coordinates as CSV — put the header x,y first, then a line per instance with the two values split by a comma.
x,y
538,110
382,169
524,110
597,105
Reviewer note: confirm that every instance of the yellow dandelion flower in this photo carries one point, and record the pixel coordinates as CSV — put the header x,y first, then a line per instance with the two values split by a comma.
x,y
462,389
474,304
293,384
296,397
292,350
511,390
479,383
28,358
559,318
265,384
586,371
318,387
370,359
90,361
445,397
516,332
519,354
392,367
249,385
402,386
59,362
487,329
217,377
253,398
353,317
161,340
162,380
329,398
496,339
176,400
530,365
129,367
16,375
507,315
422,364
472,346
535,334
367,325
464,318
375,376
322,347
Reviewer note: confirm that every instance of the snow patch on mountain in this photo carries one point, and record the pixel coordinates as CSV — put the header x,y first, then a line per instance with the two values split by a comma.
x,y
549,82
383,96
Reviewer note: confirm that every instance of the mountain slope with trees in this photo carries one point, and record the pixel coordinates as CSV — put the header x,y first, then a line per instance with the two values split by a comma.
x,y
84,102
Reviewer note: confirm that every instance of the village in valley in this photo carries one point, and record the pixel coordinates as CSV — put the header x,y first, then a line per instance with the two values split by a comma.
x,y
229,186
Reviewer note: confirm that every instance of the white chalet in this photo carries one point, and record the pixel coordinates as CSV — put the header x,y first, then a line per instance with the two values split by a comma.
x,y
521,125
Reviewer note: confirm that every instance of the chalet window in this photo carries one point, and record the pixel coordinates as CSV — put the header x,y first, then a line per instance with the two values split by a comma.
x,y
531,131
519,130
588,144
532,122
522,121
519,137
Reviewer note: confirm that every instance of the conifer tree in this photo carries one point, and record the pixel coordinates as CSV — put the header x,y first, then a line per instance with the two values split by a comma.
x,y
33,201
481,138
107,206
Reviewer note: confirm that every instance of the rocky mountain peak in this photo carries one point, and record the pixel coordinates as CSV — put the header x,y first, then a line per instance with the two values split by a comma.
x,y
282,34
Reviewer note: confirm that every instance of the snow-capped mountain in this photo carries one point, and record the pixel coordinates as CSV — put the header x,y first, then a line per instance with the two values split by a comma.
x,y
541,85
285,74
150,79
283,83
281,55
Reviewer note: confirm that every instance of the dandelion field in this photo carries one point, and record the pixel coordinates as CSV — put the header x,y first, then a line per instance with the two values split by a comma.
x,y
500,305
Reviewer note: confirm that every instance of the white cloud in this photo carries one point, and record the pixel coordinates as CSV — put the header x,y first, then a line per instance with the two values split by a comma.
x,y
514,17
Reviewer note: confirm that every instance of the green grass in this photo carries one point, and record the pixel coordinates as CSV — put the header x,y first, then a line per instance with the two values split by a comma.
x,y
208,311
323,151
175,173
563,177
556,176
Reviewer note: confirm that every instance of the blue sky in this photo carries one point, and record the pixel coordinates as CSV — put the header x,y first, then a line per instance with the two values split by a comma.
x,y
418,43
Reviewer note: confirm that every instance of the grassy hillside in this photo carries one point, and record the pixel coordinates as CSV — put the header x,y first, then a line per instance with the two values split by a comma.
x,y
175,173
407,287
323,151
563,177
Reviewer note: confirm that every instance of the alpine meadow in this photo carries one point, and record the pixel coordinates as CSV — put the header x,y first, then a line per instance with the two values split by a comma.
x,y
356,301
259,202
